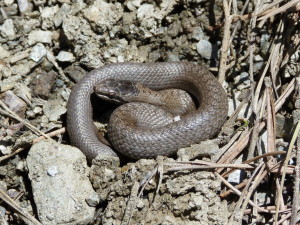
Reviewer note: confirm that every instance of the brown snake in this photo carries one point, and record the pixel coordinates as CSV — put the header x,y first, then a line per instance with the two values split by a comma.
x,y
138,142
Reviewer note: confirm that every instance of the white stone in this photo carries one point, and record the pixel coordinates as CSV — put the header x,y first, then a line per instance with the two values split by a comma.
x,y
3,53
38,52
204,48
64,56
8,29
41,36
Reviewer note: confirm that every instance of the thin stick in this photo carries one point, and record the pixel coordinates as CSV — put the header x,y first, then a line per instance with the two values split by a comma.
x,y
13,115
295,204
225,41
285,165
17,208
280,9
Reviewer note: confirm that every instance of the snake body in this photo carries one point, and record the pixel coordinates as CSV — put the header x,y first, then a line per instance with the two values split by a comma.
x,y
137,143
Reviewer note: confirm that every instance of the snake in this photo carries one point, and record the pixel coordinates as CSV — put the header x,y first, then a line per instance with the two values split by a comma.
x,y
129,130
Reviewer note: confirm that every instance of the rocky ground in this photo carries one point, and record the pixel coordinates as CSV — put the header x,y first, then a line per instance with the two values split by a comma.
x,y
253,49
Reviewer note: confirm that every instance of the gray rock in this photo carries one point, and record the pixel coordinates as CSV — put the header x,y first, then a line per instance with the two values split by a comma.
x,y
38,52
53,109
198,34
283,126
258,58
64,56
234,103
60,198
257,66
243,77
204,149
206,49
42,83
104,15
13,102
235,177
296,116
41,36
24,6
8,29
5,150
3,53
62,13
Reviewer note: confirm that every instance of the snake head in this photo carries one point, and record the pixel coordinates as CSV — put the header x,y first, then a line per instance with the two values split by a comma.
x,y
117,91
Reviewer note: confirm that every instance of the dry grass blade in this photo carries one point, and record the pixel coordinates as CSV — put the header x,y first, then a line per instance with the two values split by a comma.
x,y
295,135
13,115
295,204
225,41
239,145
280,9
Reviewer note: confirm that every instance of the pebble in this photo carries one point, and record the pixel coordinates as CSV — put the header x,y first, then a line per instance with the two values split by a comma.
x,y
14,103
198,34
257,66
4,150
93,199
41,85
3,53
8,29
24,6
205,49
38,52
41,36
52,171
296,116
205,148
53,109
64,56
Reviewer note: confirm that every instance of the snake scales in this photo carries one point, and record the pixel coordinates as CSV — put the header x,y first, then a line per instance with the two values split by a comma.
x,y
137,142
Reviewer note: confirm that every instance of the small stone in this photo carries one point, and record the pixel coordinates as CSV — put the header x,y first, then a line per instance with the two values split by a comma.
x,y
206,49
3,53
41,85
296,116
41,36
5,86
204,149
235,177
38,52
93,199
64,56
59,83
49,12
24,6
8,2
257,66
172,57
198,34
37,110
4,150
75,72
2,211
258,58
14,103
52,171
3,185
20,166
53,109
8,29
